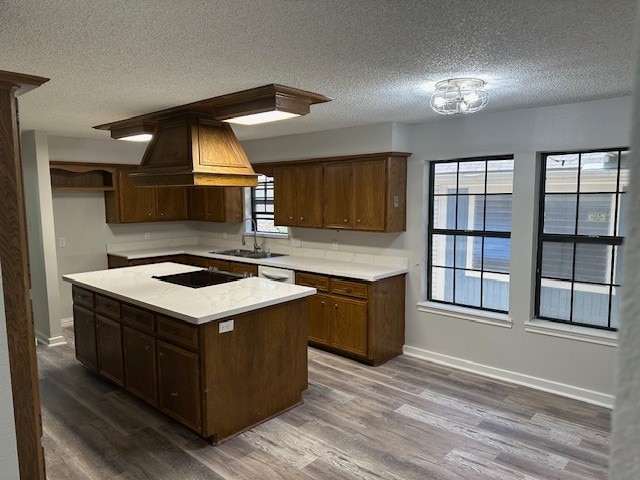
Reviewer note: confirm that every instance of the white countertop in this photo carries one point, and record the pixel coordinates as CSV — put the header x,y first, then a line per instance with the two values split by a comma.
x,y
361,271
135,285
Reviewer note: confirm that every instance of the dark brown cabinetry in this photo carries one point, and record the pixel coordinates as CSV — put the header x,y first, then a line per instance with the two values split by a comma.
x,y
131,204
358,192
216,204
217,384
241,268
298,195
363,320
140,364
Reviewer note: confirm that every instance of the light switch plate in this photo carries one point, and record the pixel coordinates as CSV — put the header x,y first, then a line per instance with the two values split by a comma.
x,y
396,201
295,241
224,327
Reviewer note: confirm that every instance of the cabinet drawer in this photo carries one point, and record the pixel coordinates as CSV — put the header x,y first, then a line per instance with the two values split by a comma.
x,y
107,306
177,332
137,318
345,287
82,297
319,282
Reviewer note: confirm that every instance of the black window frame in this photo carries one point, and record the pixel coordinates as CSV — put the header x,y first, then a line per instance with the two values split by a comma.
x,y
455,232
614,241
266,201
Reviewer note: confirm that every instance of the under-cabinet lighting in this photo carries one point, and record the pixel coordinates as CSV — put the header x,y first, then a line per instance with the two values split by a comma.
x,y
141,137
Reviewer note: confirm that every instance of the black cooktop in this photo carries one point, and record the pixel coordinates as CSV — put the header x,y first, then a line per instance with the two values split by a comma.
x,y
199,278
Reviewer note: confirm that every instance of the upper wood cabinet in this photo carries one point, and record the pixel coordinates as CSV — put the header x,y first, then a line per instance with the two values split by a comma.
x,y
359,192
298,195
131,204
216,204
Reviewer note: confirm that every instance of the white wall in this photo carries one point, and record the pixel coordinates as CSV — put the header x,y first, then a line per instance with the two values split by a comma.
x,y
8,446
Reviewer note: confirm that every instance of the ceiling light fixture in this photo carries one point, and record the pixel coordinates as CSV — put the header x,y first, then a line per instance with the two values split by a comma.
x,y
459,96
134,132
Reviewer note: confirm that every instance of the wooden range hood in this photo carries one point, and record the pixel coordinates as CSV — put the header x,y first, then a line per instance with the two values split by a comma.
x,y
191,146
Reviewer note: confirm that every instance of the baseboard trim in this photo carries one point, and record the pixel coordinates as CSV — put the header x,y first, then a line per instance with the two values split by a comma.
x,y
570,391
65,322
50,341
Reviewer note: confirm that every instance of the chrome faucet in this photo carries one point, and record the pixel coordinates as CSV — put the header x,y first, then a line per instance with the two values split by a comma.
x,y
256,247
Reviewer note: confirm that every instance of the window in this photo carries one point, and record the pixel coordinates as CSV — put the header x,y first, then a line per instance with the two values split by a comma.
x,y
262,207
582,210
469,234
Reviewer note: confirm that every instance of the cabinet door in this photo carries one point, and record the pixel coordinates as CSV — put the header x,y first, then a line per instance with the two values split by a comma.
x,y
197,203
242,268
171,203
179,384
233,204
309,186
217,264
320,318
285,195
109,342
137,204
369,195
337,195
215,204
84,330
140,365
349,325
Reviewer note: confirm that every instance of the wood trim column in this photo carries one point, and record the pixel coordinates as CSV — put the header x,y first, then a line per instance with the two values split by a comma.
x,y
15,279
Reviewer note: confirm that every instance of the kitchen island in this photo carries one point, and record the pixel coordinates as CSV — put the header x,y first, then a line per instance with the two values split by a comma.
x,y
218,359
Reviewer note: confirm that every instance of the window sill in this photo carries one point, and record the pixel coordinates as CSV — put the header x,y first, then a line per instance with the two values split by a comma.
x,y
266,235
469,314
573,332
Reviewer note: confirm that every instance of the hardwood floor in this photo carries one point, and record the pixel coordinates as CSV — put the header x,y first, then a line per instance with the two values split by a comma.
x,y
407,419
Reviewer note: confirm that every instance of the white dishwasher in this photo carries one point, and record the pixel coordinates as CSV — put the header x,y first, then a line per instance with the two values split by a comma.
x,y
277,274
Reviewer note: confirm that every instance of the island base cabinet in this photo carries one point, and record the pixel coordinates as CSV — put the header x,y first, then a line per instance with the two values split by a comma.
x,y
140,365
84,330
179,384
109,346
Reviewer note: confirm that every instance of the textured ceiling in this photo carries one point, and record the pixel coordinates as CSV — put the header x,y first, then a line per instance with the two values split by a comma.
x,y
109,60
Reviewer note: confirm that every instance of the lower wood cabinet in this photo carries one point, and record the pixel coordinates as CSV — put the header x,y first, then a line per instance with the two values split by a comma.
x,y
362,320
217,384
140,364
241,268
84,330
109,346
179,384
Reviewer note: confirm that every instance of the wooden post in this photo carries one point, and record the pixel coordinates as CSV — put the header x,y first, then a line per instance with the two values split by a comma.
x,y
15,279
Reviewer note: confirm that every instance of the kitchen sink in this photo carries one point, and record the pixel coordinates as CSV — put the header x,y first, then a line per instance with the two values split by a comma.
x,y
248,253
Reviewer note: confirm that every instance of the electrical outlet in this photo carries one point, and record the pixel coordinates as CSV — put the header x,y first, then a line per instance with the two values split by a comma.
x,y
396,201
334,245
295,241
62,242
224,235
147,235
224,327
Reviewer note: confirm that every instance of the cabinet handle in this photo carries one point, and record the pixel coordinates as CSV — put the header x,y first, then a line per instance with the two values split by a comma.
x,y
149,214
348,290
301,218
359,220
321,303
174,394
335,306
290,218
346,220
162,214
88,320
147,347
162,354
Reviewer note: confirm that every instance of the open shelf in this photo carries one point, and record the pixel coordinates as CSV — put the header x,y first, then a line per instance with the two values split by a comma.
x,y
82,176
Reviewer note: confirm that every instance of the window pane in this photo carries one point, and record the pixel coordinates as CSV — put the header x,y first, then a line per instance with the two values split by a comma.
x,y
622,215
498,213
442,284
562,173
591,304
470,212
497,254
495,291
442,250
624,171
594,216
465,252
500,176
555,299
444,180
557,260
599,172
444,212
618,265
615,307
560,213
471,176
593,263
467,290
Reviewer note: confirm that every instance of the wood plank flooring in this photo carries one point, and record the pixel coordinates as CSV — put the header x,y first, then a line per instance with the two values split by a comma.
x,y
407,419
